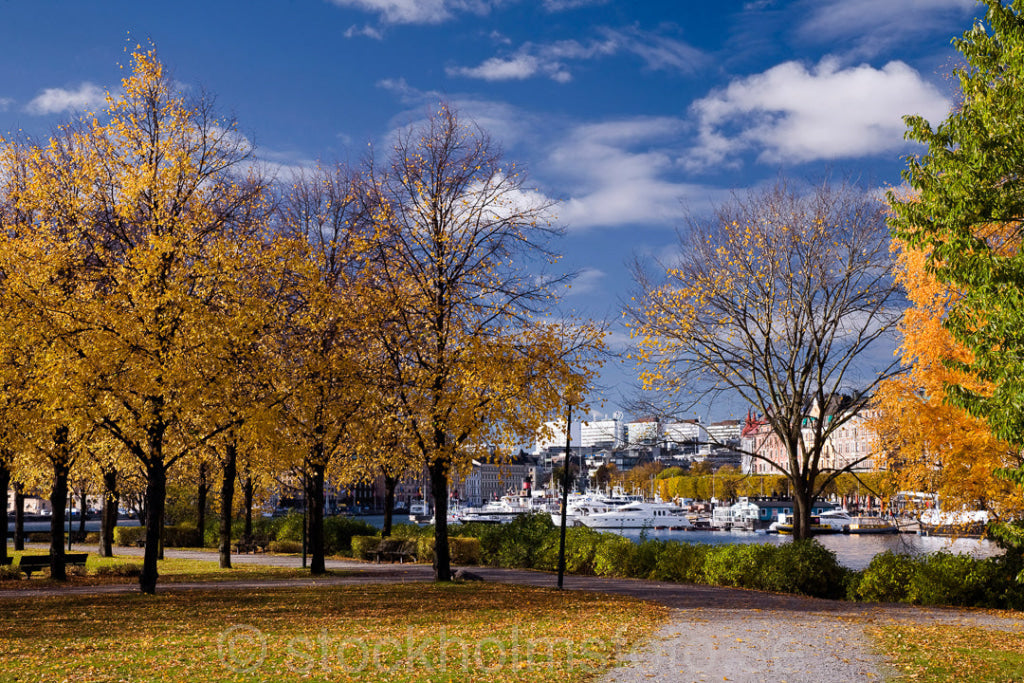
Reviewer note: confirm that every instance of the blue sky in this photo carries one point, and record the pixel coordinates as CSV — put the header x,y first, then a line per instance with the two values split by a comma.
x,y
633,114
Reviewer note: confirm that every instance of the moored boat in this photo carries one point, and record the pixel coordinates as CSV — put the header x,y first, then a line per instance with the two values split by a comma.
x,y
640,516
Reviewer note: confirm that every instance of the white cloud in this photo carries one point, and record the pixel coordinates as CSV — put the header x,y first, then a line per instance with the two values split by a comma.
x,y
587,281
57,100
418,11
5,103
563,5
365,31
875,25
792,114
517,67
658,52
622,173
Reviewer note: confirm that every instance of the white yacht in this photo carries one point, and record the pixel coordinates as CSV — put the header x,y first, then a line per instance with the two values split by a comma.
x,y
506,509
639,516
582,505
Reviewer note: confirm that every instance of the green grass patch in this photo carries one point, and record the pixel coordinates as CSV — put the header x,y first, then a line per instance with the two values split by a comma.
x,y
125,569
401,632
954,653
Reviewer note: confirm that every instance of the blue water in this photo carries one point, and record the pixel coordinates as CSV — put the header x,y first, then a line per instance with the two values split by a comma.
x,y
853,551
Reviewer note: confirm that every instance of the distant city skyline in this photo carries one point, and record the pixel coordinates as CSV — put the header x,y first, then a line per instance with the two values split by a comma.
x,y
633,116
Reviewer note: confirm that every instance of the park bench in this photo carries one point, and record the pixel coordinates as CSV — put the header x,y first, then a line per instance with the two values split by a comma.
x,y
251,545
394,550
4,561
33,563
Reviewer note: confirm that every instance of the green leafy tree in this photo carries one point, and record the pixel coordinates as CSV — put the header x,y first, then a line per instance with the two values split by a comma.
x,y
965,212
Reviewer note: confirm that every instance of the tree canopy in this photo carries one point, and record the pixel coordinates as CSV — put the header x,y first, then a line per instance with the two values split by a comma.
x,y
778,300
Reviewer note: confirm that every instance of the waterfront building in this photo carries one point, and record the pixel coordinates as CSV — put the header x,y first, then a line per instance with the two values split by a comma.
x,y
551,438
644,432
602,434
491,480
684,437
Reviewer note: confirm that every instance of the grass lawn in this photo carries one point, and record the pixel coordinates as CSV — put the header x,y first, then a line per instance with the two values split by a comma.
x,y
394,632
936,653
107,570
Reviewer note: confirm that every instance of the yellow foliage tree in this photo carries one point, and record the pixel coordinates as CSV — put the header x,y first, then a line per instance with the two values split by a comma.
x,y
135,229
459,250
929,444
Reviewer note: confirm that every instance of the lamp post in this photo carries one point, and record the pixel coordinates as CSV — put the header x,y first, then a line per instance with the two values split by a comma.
x,y
305,514
565,493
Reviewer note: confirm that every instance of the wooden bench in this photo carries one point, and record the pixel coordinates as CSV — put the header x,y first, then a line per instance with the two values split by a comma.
x,y
251,545
4,561
33,563
393,550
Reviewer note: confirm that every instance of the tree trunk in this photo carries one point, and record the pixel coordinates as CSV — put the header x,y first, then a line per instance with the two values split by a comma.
x,y
315,498
108,517
19,517
204,489
58,499
439,489
248,486
83,495
227,502
156,493
802,504
5,484
390,482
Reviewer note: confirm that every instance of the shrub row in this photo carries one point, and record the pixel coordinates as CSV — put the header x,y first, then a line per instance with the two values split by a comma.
x,y
281,534
804,567
463,550
940,578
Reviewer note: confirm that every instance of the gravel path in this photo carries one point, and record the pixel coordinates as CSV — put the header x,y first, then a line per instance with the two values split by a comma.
x,y
713,633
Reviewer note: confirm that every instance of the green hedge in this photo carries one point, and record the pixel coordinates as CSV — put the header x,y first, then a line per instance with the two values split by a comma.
x,y
940,578
182,536
361,546
286,547
463,550
129,535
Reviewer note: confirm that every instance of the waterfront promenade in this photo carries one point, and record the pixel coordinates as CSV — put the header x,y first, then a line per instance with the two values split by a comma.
x,y
713,633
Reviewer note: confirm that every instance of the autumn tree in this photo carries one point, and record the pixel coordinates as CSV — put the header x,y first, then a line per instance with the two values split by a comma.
x,y
777,302
964,214
930,444
154,220
460,250
321,349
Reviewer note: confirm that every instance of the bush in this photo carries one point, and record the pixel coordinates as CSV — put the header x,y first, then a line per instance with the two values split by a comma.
x,y
9,573
681,562
288,528
518,544
463,550
129,535
943,578
612,555
118,568
92,537
580,544
181,536
803,567
38,537
362,545
730,565
406,531
286,547
338,533
887,578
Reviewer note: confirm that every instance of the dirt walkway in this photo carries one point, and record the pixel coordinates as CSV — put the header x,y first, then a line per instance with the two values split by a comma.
x,y
713,634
